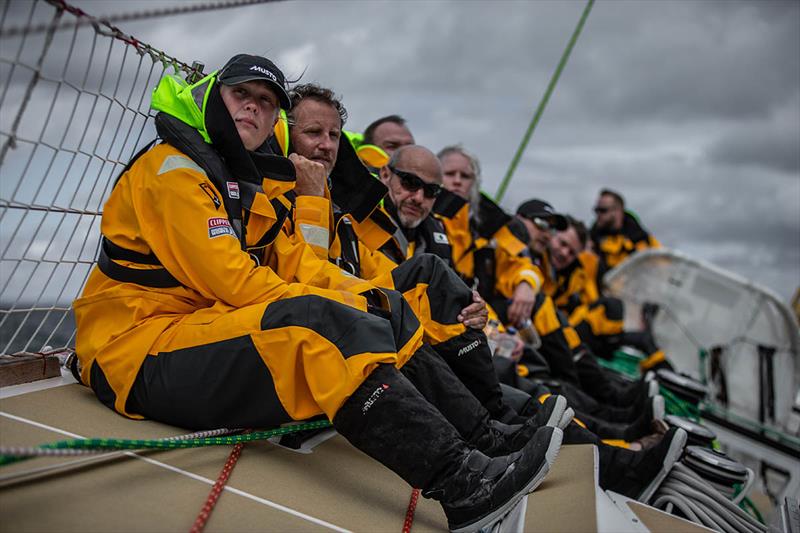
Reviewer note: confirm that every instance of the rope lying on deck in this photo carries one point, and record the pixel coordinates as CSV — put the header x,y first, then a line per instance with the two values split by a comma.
x,y
13,454
211,502
412,508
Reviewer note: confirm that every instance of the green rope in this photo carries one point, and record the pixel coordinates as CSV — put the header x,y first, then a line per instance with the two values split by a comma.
x,y
749,507
622,363
163,444
677,406
543,103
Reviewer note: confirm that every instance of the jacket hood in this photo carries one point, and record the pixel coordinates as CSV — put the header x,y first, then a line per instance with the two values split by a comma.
x,y
186,102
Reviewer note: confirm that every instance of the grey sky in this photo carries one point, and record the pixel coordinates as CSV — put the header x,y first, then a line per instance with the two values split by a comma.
x,y
690,108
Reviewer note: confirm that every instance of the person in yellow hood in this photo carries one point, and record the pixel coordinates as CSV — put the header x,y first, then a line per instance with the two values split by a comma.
x,y
202,313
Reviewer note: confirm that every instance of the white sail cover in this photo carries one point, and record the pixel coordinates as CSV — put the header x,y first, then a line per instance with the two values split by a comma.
x,y
702,307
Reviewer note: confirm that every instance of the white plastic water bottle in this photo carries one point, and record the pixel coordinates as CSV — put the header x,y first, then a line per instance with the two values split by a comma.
x,y
529,334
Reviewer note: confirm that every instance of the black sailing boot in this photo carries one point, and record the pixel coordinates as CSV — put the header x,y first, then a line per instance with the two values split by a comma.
x,y
581,401
635,474
435,380
630,431
638,474
654,410
553,411
389,420
489,487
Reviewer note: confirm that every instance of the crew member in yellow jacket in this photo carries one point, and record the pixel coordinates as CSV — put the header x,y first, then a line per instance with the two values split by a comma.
x,y
201,313
599,320
616,233
450,314
420,255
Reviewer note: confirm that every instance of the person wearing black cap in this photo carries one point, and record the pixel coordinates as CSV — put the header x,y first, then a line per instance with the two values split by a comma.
x,y
540,219
202,313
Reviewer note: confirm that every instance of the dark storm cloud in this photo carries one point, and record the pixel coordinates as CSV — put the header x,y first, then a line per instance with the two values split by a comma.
x,y
775,146
689,108
677,61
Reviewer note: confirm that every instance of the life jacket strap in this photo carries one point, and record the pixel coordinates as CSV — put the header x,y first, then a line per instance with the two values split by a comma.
x,y
159,278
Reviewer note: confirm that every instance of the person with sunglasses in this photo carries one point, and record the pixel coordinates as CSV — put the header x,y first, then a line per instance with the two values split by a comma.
x,y
557,245
485,249
451,329
415,197
616,233
412,169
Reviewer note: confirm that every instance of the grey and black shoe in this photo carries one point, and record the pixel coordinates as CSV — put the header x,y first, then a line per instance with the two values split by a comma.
x,y
483,489
501,439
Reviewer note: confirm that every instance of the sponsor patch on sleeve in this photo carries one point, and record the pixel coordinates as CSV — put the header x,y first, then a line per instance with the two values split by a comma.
x,y
233,189
440,238
219,226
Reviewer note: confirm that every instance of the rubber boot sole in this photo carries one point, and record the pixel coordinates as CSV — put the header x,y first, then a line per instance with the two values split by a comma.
x,y
558,413
566,418
673,454
493,516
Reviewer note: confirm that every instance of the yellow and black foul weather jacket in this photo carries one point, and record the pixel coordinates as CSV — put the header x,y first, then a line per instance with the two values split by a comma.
x,y
574,291
366,242
613,247
488,256
195,269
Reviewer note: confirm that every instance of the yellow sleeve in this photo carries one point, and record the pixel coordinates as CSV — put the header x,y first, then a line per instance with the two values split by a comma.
x,y
511,270
375,265
194,241
296,261
313,220
589,263
508,241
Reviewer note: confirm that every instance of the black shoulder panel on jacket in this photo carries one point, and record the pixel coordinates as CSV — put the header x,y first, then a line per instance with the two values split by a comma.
x,y
447,204
275,167
632,229
518,230
432,230
353,188
491,216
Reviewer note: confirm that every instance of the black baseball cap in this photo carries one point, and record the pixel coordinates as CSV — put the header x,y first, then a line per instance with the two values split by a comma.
x,y
245,67
536,208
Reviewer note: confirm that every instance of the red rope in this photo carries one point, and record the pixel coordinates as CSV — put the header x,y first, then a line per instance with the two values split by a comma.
x,y
213,496
412,507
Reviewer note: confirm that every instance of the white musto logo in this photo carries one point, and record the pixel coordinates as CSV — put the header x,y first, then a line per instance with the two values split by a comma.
x,y
373,398
264,71
469,347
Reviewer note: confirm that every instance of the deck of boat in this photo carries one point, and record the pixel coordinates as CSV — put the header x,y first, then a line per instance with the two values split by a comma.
x,y
272,488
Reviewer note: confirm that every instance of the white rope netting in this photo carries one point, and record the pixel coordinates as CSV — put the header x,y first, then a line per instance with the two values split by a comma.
x,y
74,108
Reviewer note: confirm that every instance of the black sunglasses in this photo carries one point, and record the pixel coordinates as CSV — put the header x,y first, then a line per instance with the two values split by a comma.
x,y
601,210
413,183
542,224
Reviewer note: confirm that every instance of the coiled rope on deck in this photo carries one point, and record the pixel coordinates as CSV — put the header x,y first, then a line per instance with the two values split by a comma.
x,y
696,499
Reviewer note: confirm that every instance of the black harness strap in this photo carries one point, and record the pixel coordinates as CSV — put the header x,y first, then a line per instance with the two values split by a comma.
x,y
158,278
